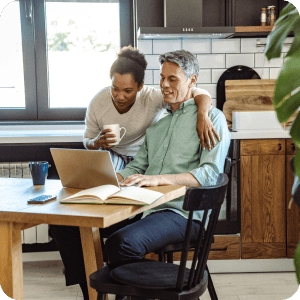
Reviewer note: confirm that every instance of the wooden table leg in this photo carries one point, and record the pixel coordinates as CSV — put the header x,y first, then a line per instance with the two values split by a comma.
x,y
89,256
98,247
11,267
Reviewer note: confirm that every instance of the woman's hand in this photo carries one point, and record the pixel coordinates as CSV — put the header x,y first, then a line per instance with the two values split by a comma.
x,y
141,180
102,139
206,131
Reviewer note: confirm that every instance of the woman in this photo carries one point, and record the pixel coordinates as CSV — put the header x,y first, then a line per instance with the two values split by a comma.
x,y
136,107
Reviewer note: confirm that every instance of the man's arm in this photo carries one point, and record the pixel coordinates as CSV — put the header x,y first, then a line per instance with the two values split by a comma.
x,y
186,179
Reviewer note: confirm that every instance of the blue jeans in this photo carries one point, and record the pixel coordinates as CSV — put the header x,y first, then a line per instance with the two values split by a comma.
x,y
147,235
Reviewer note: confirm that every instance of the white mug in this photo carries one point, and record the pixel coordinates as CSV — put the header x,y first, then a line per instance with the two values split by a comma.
x,y
115,129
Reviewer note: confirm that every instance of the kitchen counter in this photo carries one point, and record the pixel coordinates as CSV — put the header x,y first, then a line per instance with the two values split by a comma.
x,y
74,133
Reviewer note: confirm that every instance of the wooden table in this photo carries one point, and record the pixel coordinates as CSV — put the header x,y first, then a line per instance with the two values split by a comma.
x,y
16,215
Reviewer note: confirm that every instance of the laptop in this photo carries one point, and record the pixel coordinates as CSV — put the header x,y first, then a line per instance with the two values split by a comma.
x,y
83,169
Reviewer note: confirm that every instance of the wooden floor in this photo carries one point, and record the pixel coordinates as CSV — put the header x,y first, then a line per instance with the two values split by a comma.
x,y
45,280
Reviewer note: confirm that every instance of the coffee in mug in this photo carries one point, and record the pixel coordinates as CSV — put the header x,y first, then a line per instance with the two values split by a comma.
x,y
115,129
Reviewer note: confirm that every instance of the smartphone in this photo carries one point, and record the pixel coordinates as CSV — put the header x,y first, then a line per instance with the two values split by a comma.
x,y
41,199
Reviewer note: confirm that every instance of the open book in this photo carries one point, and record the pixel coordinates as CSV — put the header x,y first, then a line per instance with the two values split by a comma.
x,y
111,194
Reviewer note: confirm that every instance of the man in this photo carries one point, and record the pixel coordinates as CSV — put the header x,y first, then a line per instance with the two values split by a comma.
x,y
170,154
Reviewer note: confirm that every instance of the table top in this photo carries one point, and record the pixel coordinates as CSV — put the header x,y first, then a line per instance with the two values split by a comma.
x,y
14,193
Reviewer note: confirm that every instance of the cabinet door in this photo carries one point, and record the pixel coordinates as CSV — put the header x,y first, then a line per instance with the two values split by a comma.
x,y
292,213
263,221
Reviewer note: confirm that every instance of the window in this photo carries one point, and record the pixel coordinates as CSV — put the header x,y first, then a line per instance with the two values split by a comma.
x,y
57,55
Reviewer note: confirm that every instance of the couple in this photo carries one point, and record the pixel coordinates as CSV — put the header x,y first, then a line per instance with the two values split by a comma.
x,y
170,154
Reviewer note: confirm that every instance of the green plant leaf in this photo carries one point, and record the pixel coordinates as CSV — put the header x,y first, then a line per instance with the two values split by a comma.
x,y
285,24
288,10
297,262
287,81
287,108
295,48
297,163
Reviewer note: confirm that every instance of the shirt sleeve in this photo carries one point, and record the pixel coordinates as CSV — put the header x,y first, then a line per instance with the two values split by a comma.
x,y
92,128
140,163
212,162
197,91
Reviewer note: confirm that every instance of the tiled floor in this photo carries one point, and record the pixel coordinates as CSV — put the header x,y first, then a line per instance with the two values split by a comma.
x,y
44,280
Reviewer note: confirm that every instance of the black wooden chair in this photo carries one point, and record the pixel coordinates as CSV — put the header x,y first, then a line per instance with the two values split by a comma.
x,y
159,280
170,249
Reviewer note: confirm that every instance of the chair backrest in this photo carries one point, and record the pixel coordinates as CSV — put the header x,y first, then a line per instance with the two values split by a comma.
x,y
227,165
208,199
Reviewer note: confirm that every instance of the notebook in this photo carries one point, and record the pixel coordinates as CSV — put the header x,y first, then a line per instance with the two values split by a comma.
x,y
84,169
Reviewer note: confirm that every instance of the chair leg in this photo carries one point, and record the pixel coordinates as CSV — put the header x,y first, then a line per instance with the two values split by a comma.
x,y
170,257
211,288
161,257
101,296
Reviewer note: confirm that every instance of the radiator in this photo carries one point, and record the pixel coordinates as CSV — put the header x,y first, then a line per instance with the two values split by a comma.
x,y
37,234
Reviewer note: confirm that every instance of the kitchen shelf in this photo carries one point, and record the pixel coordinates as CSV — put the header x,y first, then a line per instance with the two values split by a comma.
x,y
253,28
255,31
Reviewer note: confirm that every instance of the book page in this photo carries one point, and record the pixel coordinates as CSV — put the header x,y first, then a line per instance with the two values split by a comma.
x,y
100,192
142,195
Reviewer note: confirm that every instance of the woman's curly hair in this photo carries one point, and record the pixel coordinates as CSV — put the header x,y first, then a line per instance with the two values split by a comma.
x,y
130,61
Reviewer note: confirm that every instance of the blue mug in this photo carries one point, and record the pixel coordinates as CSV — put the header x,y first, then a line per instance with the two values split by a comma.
x,y
39,170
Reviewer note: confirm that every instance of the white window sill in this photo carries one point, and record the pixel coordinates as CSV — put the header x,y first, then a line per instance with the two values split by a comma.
x,y
41,133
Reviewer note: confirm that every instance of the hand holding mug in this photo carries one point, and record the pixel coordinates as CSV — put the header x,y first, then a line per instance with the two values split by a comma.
x,y
115,130
102,139
109,136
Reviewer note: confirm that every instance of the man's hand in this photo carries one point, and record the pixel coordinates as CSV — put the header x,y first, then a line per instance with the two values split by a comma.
x,y
206,131
102,139
141,180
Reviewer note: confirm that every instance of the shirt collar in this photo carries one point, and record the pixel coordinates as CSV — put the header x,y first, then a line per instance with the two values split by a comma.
x,y
181,107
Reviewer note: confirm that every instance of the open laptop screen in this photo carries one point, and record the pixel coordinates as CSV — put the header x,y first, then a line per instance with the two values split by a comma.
x,y
83,169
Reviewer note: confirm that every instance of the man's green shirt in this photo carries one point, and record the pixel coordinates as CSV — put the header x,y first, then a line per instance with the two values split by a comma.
x,y
172,146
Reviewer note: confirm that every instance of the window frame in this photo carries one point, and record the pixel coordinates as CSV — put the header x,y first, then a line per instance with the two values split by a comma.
x,y
35,64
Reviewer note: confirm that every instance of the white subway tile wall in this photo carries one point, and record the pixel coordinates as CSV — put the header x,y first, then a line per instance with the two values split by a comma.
x,y
226,46
261,61
240,59
146,46
162,46
152,61
148,77
214,56
197,45
156,76
274,72
204,76
250,45
264,73
216,74
211,60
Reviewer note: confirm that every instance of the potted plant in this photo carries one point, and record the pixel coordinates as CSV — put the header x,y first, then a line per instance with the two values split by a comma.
x,y
286,98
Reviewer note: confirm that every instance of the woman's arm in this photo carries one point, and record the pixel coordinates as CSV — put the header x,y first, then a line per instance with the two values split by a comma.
x,y
99,141
205,128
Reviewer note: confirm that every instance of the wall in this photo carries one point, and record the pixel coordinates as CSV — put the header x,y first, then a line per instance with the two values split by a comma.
x,y
214,56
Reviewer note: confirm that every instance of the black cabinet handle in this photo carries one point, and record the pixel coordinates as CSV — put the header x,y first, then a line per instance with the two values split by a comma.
x,y
279,147
293,147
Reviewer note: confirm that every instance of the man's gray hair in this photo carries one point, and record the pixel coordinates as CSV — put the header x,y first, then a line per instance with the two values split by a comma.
x,y
184,59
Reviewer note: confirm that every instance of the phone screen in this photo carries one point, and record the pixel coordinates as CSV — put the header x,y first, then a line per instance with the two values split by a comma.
x,y
41,199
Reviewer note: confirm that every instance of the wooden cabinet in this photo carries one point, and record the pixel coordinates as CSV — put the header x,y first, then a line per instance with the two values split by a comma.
x,y
292,214
263,214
